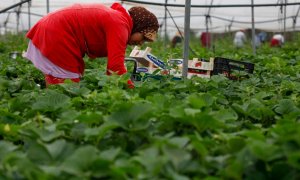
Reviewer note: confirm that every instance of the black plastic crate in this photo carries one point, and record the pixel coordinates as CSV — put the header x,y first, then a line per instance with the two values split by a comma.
x,y
232,69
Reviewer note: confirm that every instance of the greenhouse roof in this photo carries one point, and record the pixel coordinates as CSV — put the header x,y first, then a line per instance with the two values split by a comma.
x,y
216,15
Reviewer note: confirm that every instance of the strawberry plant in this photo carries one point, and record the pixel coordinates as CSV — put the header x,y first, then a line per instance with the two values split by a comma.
x,y
163,129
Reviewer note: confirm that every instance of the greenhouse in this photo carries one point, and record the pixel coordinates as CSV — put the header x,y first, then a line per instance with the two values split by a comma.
x,y
160,89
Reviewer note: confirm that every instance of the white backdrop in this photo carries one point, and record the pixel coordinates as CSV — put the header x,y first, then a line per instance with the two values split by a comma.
x,y
221,19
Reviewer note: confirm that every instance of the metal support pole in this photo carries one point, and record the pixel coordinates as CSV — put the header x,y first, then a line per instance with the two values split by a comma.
x,y
48,7
186,38
13,6
206,24
208,35
253,28
18,21
29,15
284,21
18,11
165,42
294,24
5,23
211,42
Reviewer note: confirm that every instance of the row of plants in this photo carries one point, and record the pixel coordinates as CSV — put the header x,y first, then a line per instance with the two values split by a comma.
x,y
163,129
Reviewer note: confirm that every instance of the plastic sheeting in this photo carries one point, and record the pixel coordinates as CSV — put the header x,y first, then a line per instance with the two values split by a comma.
x,y
218,18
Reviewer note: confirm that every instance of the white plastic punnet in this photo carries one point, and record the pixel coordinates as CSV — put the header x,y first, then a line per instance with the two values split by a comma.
x,y
148,63
146,59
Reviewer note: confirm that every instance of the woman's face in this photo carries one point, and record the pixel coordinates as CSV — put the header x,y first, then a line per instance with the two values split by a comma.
x,y
136,38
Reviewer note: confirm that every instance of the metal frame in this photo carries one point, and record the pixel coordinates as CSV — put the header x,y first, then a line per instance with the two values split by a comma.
x,y
188,15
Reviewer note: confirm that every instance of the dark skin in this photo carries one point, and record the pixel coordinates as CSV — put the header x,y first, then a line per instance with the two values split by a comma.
x,y
137,38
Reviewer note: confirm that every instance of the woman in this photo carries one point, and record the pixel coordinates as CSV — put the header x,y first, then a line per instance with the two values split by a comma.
x,y
239,39
176,39
277,40
205,39
60,40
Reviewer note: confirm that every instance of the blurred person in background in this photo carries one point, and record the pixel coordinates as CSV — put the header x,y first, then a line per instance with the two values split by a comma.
x,y
239,39
257,41
277,40
176,39
262,36
205,39
60,40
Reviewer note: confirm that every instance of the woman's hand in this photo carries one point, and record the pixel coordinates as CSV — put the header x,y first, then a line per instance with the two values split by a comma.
x,y
130,84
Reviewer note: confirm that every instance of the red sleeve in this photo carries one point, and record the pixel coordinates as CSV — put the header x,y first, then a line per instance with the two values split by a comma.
x,y
117,38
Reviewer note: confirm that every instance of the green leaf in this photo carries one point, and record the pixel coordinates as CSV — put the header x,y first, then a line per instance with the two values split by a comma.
x,y
124,167
5,148
38,153
281,170
20,103
226,115
254,109
177,112
254,134
294,160
199,101
43,134
59,149
110,154
51,101
204,121
240,109
257,110
173,174
22,167
200,147
178,156
10,131
234,170
264,95
286,106
180,142
78,131
81,161
131,116
191,112
100,132
212,178
263,150
91,118
9,118
151,159
236,144
67,117
74,89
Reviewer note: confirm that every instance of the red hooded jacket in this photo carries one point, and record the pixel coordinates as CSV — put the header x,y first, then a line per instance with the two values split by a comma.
x,y
65,36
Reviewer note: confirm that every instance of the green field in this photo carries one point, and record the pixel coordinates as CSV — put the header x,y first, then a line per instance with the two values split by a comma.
x,y
163,129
